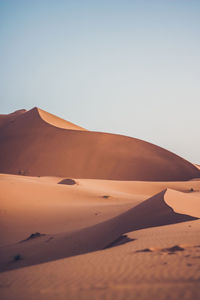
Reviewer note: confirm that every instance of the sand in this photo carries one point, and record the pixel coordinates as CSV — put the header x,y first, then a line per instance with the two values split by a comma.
x,y
112,232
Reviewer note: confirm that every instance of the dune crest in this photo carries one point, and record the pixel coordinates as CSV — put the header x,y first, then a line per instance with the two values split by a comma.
x,y
184,203
198,166
56,121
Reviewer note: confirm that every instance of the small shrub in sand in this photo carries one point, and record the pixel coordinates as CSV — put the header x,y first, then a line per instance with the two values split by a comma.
x,y
67,181
17,257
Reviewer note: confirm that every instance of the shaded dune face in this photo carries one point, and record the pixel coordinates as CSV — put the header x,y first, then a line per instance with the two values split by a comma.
x,y
5,119
40,144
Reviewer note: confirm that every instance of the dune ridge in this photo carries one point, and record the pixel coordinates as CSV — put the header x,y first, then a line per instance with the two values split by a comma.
x,y
198,166
41,149
56,121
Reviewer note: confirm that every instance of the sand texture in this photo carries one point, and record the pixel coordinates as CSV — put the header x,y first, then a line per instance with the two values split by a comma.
x,y
90,215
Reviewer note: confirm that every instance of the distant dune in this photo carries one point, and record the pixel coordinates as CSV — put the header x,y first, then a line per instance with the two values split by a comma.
x,y
36,143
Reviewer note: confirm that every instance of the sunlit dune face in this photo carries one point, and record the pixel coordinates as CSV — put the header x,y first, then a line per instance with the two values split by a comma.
x,y
57,122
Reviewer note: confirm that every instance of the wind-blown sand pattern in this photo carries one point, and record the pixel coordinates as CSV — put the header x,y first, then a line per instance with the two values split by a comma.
x,y
90,215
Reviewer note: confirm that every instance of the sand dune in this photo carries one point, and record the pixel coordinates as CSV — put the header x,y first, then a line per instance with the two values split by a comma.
x,y
46,206
91,215
152,212
45,150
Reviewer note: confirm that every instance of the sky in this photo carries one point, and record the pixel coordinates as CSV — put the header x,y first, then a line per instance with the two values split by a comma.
x,y
130,67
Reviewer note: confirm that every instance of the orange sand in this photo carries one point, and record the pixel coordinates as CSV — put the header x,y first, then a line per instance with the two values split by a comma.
x,y
133,237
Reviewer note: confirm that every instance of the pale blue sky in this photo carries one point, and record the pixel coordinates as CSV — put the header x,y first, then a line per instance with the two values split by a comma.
x,y
128,67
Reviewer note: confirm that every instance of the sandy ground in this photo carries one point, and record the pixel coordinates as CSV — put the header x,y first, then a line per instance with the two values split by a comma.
x,y
119,272
87,215
99,242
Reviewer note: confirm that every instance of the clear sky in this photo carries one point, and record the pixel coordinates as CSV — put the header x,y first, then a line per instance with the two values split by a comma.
x,y
130,67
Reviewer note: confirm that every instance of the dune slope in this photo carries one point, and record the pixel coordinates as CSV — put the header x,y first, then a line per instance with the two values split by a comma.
x,y
5,119
48,207
123,272
150,213
56,121
40,144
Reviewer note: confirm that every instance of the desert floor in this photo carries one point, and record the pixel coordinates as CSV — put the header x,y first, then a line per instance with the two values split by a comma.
x,y
99,239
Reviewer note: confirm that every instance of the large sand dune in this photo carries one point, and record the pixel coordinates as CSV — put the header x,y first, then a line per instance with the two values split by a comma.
x,y
40,144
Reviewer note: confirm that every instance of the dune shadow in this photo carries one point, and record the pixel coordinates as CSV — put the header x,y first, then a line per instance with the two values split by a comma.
x,y
33,236
123,239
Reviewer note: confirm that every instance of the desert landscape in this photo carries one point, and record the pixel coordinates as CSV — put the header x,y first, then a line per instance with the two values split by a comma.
x,y
92,215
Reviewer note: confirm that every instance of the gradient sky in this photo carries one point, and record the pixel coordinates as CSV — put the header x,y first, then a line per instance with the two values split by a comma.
x,y
128,67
